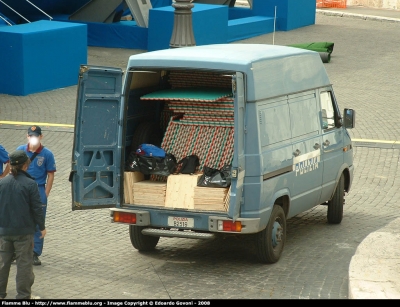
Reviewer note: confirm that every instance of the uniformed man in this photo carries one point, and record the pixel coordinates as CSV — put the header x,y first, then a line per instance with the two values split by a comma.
x,y
42,168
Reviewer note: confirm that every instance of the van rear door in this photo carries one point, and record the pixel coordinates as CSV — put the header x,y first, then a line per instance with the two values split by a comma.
x,y
238,163
96,154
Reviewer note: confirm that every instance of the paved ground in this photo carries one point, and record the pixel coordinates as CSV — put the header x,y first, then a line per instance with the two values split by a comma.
x,y
87,257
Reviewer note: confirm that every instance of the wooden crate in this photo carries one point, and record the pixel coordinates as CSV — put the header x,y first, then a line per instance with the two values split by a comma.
x,y
227,199
210,198
180,191
129,179
149,192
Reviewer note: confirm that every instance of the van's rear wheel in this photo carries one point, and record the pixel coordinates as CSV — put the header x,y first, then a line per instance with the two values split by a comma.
x,y
270,241
335,205
140,241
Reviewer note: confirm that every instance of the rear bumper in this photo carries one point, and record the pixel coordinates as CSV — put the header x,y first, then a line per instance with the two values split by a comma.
x,y
204,222
178,234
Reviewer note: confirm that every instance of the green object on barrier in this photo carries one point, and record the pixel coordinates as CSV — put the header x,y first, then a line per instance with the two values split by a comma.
x,y
324,48
317,46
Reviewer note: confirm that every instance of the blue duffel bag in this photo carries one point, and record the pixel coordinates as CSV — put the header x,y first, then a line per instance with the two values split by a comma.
x,y
150,150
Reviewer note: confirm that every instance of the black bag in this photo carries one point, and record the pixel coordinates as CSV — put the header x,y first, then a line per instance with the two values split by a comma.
x,y
189,164
151,165
215,178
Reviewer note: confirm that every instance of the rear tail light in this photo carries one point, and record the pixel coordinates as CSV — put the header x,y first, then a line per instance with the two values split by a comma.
x,y
230,226
124,217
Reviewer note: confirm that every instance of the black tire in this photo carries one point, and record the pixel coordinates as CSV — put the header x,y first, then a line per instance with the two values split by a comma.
x,y
335,205
146,133
140,241
270,241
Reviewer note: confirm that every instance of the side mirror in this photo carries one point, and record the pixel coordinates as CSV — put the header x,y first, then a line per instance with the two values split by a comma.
x,y
349,118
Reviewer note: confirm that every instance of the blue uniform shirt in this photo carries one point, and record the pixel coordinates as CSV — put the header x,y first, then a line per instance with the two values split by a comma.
x,y
3,157
43,163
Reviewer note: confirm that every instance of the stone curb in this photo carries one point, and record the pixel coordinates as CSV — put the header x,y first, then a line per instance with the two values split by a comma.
x,y
374,271
339,14
357,16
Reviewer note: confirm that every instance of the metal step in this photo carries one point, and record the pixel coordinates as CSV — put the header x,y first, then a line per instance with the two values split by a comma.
x,y
177,234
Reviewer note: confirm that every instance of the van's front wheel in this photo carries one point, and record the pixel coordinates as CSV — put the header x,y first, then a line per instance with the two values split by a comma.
x,y
335,205
270,241
140,241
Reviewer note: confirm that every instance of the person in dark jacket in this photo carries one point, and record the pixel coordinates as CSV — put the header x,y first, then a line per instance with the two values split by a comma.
x,y
20,212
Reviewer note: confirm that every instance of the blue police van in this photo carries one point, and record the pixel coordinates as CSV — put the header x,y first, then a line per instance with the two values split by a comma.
x,y
268,113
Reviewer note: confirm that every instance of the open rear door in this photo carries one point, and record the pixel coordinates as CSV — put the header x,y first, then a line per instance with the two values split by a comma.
x,y
96,154
238,163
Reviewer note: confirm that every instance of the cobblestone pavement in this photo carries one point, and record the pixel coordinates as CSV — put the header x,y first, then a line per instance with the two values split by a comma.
x,y
87,257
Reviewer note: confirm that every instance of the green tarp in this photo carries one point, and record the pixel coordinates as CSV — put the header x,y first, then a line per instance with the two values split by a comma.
x,y
324,48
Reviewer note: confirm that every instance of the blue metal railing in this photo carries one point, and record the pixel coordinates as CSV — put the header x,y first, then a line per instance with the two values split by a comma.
x,y
36,7
14,11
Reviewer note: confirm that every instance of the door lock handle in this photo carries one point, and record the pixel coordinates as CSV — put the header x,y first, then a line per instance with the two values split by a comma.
x,y
71,175
326,143
297,153
317,146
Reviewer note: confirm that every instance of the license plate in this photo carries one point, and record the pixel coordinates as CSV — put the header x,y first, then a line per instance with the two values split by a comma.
x,y
176,221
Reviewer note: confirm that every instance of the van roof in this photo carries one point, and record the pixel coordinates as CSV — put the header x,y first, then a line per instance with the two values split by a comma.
x,y
280,69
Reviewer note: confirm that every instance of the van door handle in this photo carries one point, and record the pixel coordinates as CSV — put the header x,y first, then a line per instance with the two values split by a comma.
x,y
71,175
297,153
317,146
326,143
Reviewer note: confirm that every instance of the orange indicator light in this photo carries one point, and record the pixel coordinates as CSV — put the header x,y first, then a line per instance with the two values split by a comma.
x,y
230,226
124,217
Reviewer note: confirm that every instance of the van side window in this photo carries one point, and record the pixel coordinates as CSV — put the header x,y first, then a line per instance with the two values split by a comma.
x,y
327,110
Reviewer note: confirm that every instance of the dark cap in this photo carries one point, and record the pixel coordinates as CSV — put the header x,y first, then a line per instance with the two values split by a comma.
x,y
18,157
34,130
